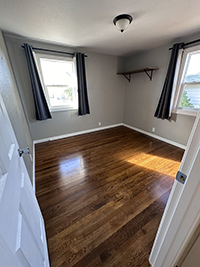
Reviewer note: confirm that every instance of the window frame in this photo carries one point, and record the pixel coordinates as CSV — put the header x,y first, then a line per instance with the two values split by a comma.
x,y
179,84
40,55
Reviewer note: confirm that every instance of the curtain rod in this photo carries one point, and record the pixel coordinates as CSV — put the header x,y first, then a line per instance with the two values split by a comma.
x,y
55,51
192,42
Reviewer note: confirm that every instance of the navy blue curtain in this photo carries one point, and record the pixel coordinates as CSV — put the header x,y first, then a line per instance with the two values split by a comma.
x,y
41,107
163,107
83,104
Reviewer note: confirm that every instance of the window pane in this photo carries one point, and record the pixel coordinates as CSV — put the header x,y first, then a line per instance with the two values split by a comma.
x,y
57,72
59,82
193,68
191,96
60,95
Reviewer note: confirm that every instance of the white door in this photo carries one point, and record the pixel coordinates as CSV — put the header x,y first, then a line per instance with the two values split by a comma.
x,y
22,232
182,213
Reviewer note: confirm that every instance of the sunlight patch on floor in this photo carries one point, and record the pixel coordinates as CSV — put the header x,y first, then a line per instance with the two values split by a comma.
x,y
155,163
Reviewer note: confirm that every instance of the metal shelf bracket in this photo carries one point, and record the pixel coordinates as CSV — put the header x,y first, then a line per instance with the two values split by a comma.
x,y
148,71
127,77
149,75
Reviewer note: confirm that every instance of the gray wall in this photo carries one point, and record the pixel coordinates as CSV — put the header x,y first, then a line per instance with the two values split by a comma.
x,y
105,91
142,95
10,95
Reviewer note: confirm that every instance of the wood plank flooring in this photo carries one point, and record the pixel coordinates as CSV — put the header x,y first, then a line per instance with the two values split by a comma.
x,y
102,196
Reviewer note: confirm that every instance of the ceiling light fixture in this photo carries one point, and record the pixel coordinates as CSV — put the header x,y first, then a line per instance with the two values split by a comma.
x,y
122,21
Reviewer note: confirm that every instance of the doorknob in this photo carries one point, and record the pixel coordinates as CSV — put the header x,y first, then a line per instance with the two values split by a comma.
x,y
25,150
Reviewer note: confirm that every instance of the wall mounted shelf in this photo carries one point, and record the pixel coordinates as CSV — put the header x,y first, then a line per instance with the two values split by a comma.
x,y
148,71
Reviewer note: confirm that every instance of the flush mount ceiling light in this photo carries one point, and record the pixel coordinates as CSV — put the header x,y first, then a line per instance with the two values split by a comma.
x,y
122,21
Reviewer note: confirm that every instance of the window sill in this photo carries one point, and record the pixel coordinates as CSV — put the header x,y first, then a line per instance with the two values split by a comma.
x,y
63,109
186,112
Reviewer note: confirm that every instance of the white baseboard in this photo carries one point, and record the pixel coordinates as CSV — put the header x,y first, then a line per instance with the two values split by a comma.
x,y
76,133
103,128
155,136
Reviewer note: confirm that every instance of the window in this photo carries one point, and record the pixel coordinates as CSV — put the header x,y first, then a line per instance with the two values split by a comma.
x,y
59,81
187,96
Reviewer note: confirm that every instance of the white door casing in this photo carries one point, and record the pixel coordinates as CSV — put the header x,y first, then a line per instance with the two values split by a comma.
x,y
182,213
22,231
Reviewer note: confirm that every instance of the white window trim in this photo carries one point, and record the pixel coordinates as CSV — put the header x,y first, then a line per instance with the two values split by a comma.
x,y
37,57
178,84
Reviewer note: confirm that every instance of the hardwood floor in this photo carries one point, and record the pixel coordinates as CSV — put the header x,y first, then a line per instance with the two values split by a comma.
x,y
102,196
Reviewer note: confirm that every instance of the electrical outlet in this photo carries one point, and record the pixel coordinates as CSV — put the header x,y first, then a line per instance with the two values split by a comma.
x,y
99,123
153,129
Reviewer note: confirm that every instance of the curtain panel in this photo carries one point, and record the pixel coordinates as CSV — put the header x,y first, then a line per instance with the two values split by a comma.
x,y
83,103
41,106
163,108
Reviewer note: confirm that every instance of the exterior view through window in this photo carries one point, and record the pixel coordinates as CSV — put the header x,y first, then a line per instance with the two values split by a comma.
x,y
59,79
190,87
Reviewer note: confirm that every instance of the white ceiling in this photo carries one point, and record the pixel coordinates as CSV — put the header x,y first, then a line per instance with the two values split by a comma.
x,y
88,23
